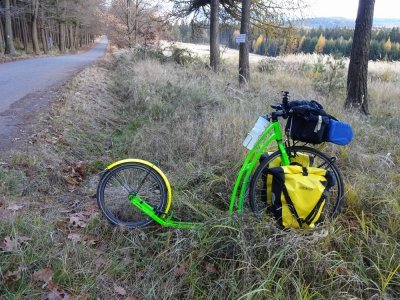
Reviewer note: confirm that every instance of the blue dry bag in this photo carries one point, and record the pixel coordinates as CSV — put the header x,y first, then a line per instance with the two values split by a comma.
x,y
339,133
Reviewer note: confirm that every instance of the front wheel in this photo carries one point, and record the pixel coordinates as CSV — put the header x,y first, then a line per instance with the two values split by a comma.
x,y
125,180
258,191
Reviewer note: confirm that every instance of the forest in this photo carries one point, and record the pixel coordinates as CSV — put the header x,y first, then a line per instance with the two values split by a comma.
x,y
33,26
385,42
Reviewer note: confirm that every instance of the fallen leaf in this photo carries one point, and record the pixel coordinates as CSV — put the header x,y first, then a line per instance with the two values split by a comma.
x,y
1,203
24,239
79,169
74,237
16,275
180,270
61,224
78,220
211,268
15,206
99,262
119,290
12,276
92,209
81,297
66,168
90,239
71,181
57,294
8,244
43,275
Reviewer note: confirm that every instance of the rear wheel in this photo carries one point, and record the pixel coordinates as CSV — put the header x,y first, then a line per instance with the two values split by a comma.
x,y
127,179
258,191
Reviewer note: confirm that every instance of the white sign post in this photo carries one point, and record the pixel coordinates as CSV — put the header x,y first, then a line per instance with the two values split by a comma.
x,y
241,38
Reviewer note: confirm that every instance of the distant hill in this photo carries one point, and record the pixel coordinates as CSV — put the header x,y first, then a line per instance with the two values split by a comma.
x,y
343,22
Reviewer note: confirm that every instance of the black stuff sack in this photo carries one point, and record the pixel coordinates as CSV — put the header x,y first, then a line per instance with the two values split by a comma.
x,y
307,122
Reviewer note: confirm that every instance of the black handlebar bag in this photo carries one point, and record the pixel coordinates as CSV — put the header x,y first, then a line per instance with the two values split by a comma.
x,y
307,122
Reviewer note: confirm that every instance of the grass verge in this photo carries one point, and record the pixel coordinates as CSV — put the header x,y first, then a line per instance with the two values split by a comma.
x,y
54,242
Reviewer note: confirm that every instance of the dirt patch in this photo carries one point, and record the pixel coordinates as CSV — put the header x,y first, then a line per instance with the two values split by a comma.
x,y
18,123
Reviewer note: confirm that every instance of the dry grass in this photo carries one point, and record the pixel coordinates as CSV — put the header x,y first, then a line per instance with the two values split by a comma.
x,y
192,122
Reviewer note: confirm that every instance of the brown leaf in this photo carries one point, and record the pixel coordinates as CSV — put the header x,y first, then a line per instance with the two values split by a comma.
x,y
211,268
57,294
1,203
8,244
119,290
12,276
99,262
81,297
71,181
43,275
74,237
61,224
180,270
90,239
79,169
92,209
16,275
78,220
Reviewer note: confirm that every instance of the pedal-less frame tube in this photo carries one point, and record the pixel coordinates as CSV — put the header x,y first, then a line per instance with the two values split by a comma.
x,y
271,133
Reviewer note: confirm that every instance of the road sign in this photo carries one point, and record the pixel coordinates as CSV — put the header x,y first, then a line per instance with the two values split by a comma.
x,y
241,38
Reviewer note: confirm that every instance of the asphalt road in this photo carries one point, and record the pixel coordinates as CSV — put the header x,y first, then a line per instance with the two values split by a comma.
x,y
20,78
27,86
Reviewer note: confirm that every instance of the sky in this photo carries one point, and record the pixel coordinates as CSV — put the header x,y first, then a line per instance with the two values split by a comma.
x,y
348,8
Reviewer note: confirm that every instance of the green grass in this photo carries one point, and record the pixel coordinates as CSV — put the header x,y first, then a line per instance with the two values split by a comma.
x,y
191,121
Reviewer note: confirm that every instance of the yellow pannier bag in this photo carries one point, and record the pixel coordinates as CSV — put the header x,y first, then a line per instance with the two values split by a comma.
x,y
299,194
300,159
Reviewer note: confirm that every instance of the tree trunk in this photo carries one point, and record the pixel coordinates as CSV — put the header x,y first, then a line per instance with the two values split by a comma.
x,y
244,67
357,92
61,38
76,36
43,34
214,35
2,42
129,22
24,32
71,38
10,49
35,12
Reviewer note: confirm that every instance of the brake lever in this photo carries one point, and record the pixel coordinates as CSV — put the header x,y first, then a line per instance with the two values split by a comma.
x,y
276,106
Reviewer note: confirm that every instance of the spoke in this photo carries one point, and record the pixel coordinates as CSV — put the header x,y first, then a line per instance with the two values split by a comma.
x,y
123,184
142,182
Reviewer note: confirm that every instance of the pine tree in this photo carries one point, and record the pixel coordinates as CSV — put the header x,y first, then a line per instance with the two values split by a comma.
x,y
357,92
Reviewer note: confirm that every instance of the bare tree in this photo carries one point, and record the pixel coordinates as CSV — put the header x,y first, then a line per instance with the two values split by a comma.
x,y
357,90
131,22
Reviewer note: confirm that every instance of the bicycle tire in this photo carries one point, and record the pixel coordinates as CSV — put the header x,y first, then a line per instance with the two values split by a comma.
x,y
257,191
131,178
